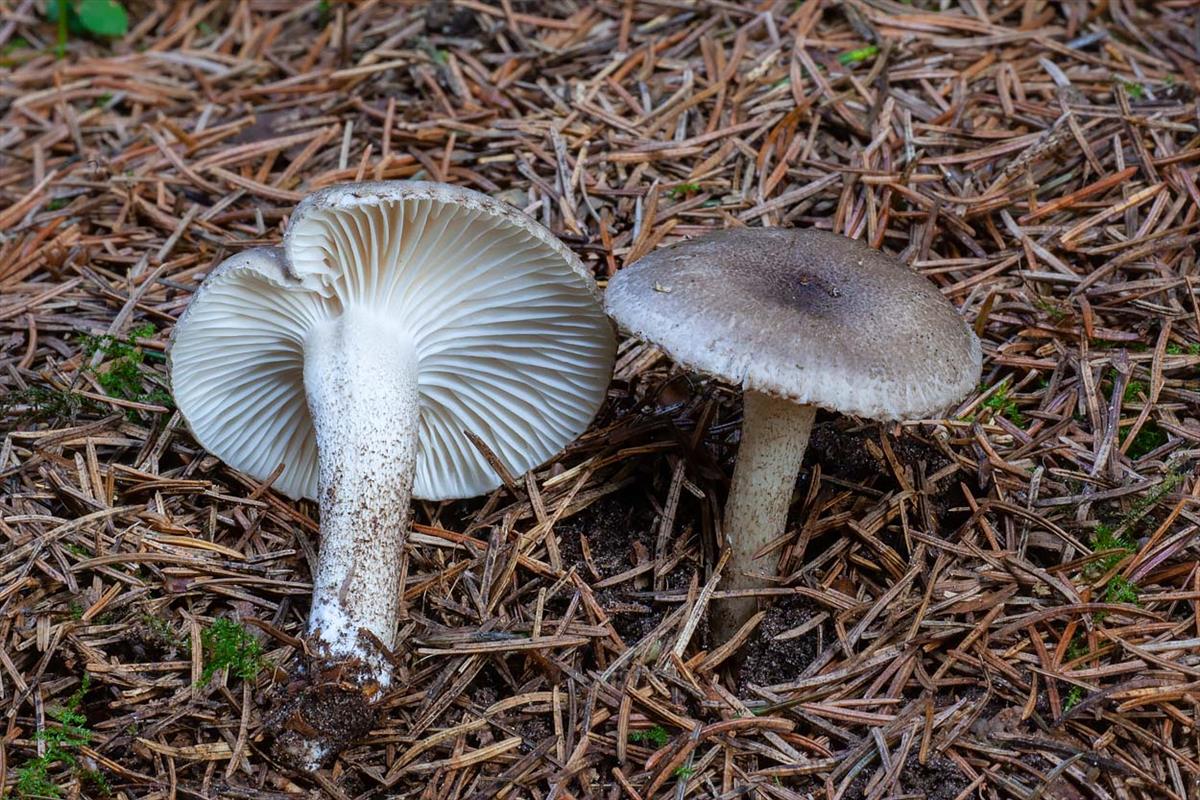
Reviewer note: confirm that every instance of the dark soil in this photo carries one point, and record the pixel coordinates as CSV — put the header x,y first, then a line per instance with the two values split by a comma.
x,y
840,445
852,452
489,687
937,779
621,531
326,709
612,525
769,661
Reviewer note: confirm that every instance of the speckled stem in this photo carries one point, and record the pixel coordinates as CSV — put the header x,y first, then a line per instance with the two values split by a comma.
x,y
361,381
774,437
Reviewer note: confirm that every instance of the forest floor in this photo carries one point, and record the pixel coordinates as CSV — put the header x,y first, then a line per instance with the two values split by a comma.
x,y
1004,603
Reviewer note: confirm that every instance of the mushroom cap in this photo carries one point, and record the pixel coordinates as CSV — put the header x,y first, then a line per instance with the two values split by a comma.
x,y
802,314
510,340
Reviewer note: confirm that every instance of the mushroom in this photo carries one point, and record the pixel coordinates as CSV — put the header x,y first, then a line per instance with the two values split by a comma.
x,y
399,324
800,319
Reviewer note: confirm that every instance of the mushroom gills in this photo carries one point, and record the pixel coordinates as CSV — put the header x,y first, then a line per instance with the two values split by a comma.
x,y
360,379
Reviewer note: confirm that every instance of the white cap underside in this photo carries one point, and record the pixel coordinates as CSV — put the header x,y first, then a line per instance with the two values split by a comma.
x,y
511,342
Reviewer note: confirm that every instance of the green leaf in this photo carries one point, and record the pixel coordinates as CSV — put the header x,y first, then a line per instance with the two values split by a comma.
x,y
103,17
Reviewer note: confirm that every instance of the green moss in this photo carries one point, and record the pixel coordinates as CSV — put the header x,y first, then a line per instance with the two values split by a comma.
x,y
324,13
683,190
33,780
1116,549
1143,504
1149,438
60,743
1073,697
684,772
1078,648
228,644
1105,540
122,379
97,780
14,44
656,736
71,732
120,375
1135,90
43,404
1056,313
1002,404
1121,590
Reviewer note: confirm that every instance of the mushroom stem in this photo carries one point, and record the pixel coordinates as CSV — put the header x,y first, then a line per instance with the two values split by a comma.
x,y
360,377
774,437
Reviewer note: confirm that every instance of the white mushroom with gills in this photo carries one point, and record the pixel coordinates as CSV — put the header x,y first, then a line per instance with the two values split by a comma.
x,y
800,319
397,321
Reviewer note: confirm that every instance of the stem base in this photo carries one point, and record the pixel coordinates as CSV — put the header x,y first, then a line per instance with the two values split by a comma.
x,y
327,707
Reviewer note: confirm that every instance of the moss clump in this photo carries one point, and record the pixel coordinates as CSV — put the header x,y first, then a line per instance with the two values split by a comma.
x,y
44,404
1149,438
1136,91
1133,391
1106,540
1115,548
120,375
1121,590
1001,403
228,644
683,190
656,736
61,742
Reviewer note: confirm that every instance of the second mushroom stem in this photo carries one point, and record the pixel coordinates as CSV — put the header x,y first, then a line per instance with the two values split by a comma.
x,y
774,437
361,381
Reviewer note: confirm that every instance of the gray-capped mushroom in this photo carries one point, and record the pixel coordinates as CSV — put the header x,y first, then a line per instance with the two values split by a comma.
x,y
800,319
396,321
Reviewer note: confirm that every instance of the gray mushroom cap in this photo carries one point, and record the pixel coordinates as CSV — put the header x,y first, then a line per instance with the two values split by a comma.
x,y
802,314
